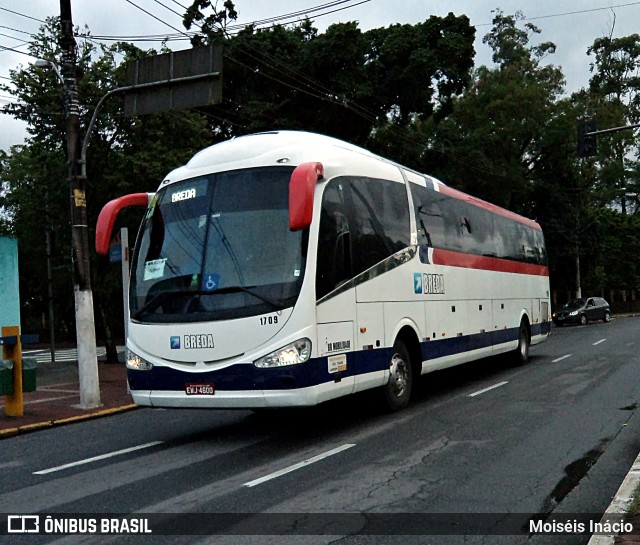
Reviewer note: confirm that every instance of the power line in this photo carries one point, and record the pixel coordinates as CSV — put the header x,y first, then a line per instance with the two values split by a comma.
x,y
22,15
300,12
16,30
20,42
168,8
179,4
328,97
577,12
156,18
232,28
5,48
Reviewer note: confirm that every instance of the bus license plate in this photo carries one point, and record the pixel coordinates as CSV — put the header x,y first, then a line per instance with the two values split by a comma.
x,y
199,389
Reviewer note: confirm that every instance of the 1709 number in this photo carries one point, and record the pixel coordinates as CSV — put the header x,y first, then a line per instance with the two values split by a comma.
x,y
268,320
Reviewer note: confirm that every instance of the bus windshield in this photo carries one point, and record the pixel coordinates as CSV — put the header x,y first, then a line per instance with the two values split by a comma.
x,y
218,247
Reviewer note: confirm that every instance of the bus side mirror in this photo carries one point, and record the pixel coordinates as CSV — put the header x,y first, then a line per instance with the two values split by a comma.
x,y
109,213
301,190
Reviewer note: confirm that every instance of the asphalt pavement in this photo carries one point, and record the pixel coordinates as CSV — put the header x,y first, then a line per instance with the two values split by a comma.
x,y
56,402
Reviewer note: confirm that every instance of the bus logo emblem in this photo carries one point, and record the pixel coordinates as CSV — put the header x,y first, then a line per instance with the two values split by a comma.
x,y
175,343
417,282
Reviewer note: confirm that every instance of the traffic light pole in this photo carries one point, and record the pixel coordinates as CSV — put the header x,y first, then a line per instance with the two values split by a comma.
x,y
85,324
587,144
613,129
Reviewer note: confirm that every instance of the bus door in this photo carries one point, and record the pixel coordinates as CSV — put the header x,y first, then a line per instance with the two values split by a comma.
x,y
336,307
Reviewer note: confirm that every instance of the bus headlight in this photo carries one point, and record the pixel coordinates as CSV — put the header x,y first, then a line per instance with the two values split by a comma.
x,y
296,352
136,363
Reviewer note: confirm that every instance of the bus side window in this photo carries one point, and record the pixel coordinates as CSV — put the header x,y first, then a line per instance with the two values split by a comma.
x,y
429,216
334,242
379,214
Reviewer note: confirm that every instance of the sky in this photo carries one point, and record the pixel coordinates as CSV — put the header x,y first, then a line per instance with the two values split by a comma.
x,y
572,25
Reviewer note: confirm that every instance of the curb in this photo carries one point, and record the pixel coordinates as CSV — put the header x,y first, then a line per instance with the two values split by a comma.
x,y
27,428
621,502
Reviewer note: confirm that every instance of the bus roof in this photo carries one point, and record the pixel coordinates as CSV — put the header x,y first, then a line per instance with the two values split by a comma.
x,y
296,147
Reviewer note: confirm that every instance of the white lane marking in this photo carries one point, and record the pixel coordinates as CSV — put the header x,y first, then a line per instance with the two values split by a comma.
x,y
474,394
43,400
11,465
51,399
599,342
58,390
299,465
96,458
561,358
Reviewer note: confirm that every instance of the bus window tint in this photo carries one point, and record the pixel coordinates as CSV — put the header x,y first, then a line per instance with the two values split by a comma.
x,y
379,214
452,224
363,221
218,247
430,219
334,247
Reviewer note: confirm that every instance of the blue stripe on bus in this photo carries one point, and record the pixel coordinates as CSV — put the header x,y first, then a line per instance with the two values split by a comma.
x,y
465,343
248,377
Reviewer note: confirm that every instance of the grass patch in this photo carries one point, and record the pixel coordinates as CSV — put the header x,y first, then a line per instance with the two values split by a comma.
x,y
634,506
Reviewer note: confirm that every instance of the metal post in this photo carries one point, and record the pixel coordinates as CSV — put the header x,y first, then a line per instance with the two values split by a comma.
x,y
14,403
85,323
124,245
578,288
52,339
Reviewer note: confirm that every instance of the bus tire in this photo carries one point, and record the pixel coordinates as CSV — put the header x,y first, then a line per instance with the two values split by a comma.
x,y
521,354
397,391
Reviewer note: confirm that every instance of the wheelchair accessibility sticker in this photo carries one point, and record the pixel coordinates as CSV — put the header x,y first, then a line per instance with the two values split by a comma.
x,y
210,282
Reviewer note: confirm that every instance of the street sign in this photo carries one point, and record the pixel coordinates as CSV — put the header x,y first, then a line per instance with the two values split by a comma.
x,y
9,282
174,81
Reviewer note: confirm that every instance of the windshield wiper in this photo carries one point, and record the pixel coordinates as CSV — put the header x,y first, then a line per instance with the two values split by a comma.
x,y
159,298
154,302
234,289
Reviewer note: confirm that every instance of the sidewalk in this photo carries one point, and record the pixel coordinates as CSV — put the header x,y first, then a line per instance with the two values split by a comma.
x,y
57,397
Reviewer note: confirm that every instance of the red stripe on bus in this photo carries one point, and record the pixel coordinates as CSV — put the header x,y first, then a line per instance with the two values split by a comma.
x,y
468,261
446,190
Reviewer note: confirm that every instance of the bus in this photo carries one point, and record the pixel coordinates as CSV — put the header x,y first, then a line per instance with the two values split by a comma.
x,y
285,269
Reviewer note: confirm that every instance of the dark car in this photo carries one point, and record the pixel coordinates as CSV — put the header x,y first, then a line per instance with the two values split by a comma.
x,y
581,311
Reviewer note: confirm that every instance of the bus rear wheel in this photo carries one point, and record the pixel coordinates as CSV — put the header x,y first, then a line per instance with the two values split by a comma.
x,y
397,391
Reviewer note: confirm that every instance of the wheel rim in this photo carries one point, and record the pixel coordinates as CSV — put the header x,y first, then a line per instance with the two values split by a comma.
x,y
583,319
607,317
399,379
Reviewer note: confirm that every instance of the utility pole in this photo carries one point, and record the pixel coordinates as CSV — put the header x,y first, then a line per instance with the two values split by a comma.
x,y
85,325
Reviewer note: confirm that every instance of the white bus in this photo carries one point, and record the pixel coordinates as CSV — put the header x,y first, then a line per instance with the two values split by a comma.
x,y
288,268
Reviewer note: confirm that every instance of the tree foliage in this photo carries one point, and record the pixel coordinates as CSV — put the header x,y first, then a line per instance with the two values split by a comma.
x,y
505,132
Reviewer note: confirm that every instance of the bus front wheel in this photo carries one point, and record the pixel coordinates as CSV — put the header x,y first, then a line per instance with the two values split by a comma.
x,y
397,391
524,342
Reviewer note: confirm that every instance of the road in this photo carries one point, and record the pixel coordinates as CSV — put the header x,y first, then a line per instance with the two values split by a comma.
x,y
553,438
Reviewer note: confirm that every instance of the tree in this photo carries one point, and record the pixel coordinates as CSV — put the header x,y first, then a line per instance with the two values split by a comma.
x,y
125,155
614,100
344,83
491,145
